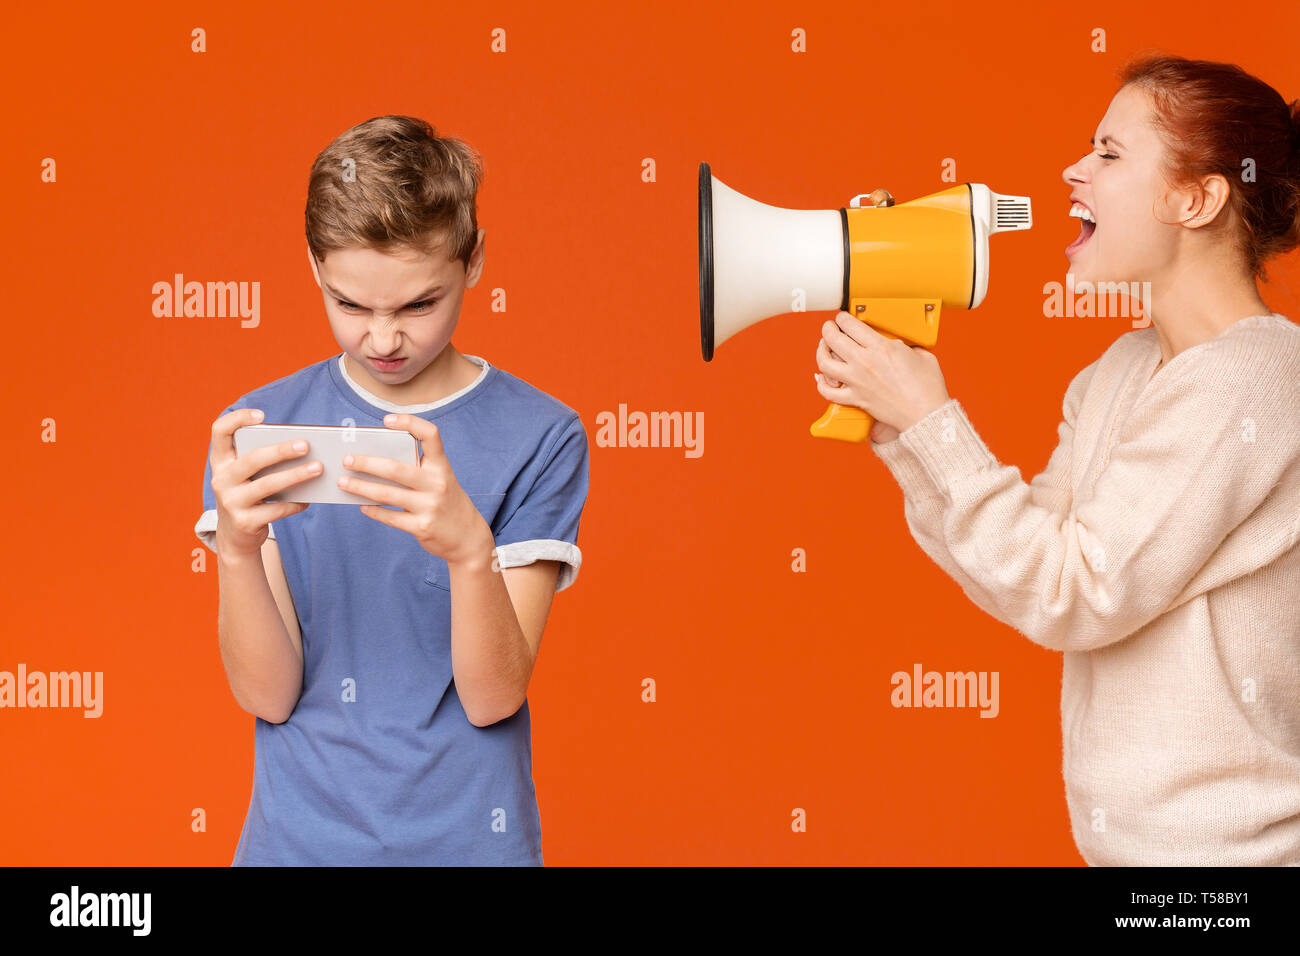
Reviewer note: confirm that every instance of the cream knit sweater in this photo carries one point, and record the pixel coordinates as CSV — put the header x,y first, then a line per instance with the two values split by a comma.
x,y
1158,551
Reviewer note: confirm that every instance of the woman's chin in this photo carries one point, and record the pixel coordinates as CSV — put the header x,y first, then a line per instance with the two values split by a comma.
x,y
1082,272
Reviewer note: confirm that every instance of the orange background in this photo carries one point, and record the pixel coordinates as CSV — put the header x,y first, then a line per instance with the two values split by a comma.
x,y
773,687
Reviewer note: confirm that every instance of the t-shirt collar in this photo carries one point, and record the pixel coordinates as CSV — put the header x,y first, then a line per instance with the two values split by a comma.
x,y
414,409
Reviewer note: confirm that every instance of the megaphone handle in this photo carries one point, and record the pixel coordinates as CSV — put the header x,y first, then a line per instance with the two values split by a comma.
x,y
845,422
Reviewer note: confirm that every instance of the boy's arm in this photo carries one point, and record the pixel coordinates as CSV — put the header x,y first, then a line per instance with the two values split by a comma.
x,y
497,620
532,589
257,624
261,645
497,617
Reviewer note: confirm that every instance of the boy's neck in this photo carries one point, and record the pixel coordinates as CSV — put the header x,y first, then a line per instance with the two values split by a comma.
x,y
445,375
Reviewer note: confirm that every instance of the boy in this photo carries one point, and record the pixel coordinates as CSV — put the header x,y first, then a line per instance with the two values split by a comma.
x,y
386,660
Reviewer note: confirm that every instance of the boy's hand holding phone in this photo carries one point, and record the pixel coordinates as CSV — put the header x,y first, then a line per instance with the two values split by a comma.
x,y
242,518
436,509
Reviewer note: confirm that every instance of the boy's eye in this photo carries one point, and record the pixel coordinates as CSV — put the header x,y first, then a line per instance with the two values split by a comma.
x,y
414,306
1108,156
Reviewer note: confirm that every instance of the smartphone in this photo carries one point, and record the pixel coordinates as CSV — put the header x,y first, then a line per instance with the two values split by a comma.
x,y
328,444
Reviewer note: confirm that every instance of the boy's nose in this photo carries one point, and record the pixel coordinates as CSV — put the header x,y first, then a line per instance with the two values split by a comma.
x,y
384,337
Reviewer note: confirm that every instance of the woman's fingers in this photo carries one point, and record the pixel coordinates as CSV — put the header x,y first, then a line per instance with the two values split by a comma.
x,y
827,360
825,356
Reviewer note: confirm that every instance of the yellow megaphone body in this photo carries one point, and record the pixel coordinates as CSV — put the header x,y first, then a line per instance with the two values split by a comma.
x,y
893,266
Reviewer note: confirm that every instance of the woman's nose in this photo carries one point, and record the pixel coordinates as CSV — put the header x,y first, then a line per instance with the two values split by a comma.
x,y
1073,173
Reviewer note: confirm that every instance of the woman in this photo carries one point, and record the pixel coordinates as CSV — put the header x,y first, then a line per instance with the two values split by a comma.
x,y
1158,550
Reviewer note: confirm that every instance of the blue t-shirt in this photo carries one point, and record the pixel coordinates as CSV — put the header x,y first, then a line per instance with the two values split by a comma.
x,y
378,764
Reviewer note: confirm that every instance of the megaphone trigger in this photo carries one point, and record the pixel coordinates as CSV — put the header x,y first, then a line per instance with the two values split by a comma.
x,y
846,422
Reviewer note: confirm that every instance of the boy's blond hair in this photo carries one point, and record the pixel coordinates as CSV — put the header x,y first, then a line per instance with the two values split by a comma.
x,y
412,188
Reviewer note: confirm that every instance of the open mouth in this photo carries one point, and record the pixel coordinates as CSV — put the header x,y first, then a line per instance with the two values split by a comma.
x,y
1087,226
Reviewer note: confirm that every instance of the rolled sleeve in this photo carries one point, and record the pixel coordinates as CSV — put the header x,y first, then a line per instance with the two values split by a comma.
x,y
544,527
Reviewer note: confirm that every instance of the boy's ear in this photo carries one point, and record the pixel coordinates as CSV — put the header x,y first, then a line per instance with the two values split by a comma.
x,y
475,261
315,273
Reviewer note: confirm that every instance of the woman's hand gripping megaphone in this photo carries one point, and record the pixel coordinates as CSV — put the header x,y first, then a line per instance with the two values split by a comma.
x,y
896,383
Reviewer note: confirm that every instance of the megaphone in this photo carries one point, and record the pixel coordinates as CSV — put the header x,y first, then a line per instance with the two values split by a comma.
x,y
895,266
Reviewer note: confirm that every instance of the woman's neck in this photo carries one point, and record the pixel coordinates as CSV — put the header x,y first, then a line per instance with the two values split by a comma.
x,y
1197,305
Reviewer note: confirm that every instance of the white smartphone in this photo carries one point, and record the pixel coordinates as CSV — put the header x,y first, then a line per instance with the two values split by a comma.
x,y
328,444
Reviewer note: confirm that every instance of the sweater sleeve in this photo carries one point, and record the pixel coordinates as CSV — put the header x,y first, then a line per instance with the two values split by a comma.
x,y
1052,488
1198,454
924,502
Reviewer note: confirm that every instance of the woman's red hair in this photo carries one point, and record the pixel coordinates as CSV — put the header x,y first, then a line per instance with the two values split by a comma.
x,y
1217,118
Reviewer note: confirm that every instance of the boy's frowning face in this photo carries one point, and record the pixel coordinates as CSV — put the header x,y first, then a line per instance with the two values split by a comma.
x,y
400,306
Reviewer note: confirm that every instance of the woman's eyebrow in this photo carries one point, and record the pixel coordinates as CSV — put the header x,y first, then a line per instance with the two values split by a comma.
x,y
1107,139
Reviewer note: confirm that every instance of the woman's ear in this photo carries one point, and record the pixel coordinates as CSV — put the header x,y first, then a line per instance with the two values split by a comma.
x,y
1200,206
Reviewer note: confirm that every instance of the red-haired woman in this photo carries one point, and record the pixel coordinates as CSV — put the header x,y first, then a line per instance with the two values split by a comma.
x,y
1158,550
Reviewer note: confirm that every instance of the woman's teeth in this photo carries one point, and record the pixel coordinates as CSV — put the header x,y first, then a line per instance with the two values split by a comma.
x,y
1080,211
